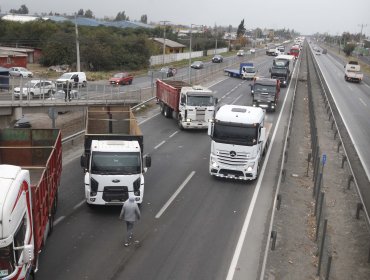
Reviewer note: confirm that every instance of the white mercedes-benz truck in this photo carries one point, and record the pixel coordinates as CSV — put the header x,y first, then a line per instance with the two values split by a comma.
x,y
239,141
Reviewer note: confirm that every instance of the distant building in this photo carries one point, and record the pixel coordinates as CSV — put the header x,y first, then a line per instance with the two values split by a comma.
x,y
10,58
171,46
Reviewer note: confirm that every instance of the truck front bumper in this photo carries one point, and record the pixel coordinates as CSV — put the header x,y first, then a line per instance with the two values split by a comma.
x,y
194,125
102,198
246,173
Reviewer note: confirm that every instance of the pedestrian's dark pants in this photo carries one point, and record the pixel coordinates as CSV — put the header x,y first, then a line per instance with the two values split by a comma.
x,y
130,228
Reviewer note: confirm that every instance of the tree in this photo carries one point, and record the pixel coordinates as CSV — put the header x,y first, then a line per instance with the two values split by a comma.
x,y
80,12
89,14
121,16
144,19
23,10
348,49
241,29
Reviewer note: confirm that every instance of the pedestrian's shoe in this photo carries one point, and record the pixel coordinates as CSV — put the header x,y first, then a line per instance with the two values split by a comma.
x,y
127,244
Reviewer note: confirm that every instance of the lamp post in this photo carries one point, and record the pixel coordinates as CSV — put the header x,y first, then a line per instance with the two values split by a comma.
x,y
77,46
190,42
164,39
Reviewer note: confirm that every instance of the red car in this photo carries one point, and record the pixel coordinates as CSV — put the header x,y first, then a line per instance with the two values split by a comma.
x,y
121,79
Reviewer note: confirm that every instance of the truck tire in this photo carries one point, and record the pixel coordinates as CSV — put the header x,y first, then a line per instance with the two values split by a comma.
x,y
161,107
168,112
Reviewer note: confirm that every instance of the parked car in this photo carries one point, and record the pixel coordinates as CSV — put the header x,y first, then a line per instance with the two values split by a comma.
x,y
23,122
35,88
76,78
122,78
168,71
217,58
20,72
253,51
197,65
240,53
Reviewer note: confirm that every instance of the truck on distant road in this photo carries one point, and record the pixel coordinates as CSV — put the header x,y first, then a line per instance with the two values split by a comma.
x,y
295,50
113,158
282,69
265,93
30,172
246,71
193,105
352,72
239,141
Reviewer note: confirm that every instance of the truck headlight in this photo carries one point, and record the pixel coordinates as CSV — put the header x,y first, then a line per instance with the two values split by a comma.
x,y
250,166
214,164
188,120
136,184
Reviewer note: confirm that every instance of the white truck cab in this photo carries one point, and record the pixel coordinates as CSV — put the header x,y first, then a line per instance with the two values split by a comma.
x,y
239,138
115,172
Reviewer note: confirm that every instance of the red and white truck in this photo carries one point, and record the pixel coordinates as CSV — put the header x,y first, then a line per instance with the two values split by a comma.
x,y
193,105
30,172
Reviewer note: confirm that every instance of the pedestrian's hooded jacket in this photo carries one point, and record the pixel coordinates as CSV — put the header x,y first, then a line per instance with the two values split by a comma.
x,y
130,211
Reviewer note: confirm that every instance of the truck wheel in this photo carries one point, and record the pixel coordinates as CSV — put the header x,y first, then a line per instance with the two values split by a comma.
x,y
168,112
161,107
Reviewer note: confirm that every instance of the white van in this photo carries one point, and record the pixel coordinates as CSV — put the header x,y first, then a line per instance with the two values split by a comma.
x,y
70,77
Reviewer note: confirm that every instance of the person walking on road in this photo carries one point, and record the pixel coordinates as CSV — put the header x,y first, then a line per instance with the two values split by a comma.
x,y
130,213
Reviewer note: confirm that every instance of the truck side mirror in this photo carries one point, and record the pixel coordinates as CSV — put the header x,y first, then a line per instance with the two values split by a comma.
x,y
210,128
28,253
83,161
216,100
148,161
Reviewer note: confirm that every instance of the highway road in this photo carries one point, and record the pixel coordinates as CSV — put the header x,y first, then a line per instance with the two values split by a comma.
x,y
353,102
212,229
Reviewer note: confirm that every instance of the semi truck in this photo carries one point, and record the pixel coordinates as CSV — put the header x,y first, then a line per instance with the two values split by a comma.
x,y
30,172
265,93
294,50
246,71
113,159
193,106
239,141
353,72
282,69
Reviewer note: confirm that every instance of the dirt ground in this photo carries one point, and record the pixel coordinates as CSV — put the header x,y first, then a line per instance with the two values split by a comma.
x,y
347,241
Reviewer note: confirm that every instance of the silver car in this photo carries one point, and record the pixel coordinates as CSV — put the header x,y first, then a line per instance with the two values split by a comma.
x,y
20,72
35,88
197,65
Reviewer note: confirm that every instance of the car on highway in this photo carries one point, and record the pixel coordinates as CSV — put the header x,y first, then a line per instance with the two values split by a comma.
x,y
23,122
253,51
76,78
122,78
217,58
240,53
35,88
20,72
168,71
197,65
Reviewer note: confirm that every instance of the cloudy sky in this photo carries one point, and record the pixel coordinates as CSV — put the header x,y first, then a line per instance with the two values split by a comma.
x,y
306,17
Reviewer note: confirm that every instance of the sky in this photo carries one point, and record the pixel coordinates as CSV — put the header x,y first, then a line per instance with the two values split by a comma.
x,y
307,17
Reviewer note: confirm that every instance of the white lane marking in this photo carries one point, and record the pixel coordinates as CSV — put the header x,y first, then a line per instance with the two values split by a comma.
x,y
173,134
366,85
140,123
236,99
79,204
243,233
57,221
362,101
160,144
176,193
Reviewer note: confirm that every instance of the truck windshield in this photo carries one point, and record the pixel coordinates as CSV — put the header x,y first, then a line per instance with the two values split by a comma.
x,y
250,70
264,88
115,163
233,134
6,261
279,70
200,100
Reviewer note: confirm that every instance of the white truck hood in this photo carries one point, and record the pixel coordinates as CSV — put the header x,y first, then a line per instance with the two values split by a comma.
x,y
234,151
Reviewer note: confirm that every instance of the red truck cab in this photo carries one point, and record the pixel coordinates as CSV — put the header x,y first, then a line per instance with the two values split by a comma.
x,y
294,51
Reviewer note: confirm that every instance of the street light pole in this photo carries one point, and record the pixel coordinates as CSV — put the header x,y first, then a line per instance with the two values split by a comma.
x,y
77,46
164,39
191,31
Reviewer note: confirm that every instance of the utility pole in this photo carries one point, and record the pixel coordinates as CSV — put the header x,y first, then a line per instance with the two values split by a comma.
x,y
77,46
362,26
164,39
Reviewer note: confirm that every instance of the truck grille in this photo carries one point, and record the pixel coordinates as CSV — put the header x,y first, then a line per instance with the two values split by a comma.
x,y
264,97
240,158
115,193
200,114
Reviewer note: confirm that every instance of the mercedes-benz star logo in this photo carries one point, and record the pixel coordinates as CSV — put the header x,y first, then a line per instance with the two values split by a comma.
x,y
115,181
232,153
